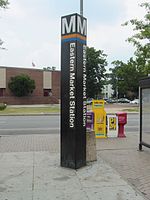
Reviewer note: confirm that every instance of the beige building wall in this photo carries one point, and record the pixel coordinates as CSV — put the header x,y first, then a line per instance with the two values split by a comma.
x,y
107,91
47,80
2,77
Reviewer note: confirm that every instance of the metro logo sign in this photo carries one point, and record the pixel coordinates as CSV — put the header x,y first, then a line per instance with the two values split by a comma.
x,y
74,24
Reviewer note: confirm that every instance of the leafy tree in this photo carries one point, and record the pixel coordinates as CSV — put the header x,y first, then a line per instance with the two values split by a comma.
x,y
96,63
3,4
141,40
114,76
21,85
125,79
125,76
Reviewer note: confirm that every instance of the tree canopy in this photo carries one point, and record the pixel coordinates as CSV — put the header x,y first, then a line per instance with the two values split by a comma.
x,y
141,40
3,4
21,85
96,63
125,76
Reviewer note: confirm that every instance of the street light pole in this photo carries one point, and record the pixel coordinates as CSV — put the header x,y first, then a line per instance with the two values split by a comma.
x,y
81,7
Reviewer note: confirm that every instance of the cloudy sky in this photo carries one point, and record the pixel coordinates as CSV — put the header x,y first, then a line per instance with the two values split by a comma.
x,y
31,29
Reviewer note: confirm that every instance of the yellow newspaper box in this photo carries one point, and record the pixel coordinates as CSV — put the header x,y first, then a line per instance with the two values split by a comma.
x,y
99,118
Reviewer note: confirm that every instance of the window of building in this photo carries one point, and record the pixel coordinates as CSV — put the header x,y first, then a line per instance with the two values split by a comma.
x,y
47,92
1,92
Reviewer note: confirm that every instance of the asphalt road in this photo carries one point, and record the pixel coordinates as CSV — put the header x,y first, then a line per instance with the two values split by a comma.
x,y
10,125
29,125
133,123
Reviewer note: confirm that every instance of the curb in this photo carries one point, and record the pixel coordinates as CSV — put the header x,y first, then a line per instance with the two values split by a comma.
x,y
32,114
56,114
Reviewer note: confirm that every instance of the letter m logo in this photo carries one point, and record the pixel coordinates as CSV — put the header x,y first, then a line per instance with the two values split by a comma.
x,y
81,25
68,24
73,24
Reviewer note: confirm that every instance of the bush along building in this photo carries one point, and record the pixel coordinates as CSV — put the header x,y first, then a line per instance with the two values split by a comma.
x,y
46,90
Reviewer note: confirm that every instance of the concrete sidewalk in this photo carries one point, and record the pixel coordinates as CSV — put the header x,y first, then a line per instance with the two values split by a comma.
x,y
30,170
38,176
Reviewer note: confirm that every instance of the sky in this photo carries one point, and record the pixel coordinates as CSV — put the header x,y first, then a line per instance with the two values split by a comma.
x,y
31,30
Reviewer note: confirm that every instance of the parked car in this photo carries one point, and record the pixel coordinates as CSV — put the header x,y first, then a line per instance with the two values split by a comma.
x,y
105,100
111,100
123,100
135,101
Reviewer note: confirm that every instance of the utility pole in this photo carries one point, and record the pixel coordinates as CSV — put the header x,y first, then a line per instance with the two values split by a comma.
x,y
81,7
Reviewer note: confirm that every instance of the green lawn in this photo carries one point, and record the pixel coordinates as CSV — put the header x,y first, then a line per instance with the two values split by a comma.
x,y
30,110
11,110
131,110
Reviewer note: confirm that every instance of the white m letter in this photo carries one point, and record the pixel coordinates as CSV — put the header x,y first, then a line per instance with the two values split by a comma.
x,y
71,27
81,26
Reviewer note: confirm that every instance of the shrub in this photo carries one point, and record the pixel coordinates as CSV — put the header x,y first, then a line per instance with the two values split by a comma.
x,y
21,85
3,106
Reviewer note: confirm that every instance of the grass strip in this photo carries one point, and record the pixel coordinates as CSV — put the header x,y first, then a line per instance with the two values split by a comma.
x,y
131,110
30,110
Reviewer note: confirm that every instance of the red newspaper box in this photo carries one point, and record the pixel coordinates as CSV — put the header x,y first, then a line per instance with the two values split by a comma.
x,y
122,120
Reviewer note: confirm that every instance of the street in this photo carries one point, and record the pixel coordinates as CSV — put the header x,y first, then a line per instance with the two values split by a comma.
x,y
133,123
29,125
20,125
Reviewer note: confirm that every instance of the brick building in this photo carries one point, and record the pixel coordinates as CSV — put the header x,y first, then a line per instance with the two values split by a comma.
x,y
47,84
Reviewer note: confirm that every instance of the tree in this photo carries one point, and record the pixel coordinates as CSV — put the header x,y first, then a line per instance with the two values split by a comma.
x,y
96,63
125,79
3,4
141,40
21,85
114,77
125,76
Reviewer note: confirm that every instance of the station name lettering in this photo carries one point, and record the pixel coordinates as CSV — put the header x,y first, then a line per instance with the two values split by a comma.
x,y
72,103
84,85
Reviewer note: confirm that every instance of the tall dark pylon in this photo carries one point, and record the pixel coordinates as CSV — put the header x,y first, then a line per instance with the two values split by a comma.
x,y
73,91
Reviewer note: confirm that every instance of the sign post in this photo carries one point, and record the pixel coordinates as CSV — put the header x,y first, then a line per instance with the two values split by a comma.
x,y
73,91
